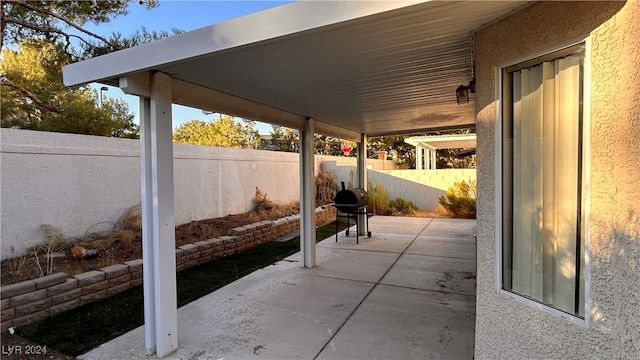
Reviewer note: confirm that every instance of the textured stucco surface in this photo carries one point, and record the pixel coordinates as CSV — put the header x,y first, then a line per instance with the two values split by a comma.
x,y
505,328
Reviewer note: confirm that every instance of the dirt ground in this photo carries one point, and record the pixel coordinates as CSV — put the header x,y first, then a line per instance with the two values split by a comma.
x,y
124,245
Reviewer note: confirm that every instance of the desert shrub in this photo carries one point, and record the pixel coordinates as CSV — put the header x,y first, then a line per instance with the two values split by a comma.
x,y
131,219
400,206
378,199
352,176
261,201
326,186
379,202
44,252
461,199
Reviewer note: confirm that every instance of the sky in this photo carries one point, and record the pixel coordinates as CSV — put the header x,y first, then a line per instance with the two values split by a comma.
x,y
183,15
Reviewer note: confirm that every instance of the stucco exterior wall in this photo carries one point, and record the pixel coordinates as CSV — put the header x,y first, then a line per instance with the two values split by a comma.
x,y
508,329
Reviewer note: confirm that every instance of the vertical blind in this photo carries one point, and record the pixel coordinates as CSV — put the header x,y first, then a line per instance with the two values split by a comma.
x,y
545,243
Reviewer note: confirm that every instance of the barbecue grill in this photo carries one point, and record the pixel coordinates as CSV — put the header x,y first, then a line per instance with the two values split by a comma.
x,y
351,202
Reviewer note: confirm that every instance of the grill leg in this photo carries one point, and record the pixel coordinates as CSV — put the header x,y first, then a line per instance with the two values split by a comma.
x,y
337,217
348,224
357,227
366,216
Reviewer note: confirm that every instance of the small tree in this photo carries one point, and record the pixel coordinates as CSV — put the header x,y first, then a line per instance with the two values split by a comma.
x,y
327,145
222,132
401,152
57,29
50,106
284,139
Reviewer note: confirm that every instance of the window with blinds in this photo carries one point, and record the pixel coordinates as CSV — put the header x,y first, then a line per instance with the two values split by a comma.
x,y
543,250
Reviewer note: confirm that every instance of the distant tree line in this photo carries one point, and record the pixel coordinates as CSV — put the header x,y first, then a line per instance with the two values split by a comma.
x,y
229,133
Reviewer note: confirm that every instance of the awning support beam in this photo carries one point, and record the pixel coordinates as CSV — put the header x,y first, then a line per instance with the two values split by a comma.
x,y
362,179
307,195
207,99
158,234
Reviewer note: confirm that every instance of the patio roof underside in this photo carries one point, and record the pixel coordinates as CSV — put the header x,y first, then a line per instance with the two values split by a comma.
x,y
356,68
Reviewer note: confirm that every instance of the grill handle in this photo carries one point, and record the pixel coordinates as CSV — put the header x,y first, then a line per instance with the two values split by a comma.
x,y
342,183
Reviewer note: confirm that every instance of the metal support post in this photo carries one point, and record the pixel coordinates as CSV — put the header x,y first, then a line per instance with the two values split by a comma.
x,y
158,234
362,180
307,195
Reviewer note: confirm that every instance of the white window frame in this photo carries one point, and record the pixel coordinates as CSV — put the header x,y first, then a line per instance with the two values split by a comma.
x,y
586,172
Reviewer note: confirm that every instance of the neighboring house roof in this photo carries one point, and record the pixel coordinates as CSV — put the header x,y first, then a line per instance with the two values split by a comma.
x,y
356,67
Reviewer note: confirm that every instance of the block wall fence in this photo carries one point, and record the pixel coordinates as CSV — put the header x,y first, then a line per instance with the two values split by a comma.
x,y
82,184
422,187
30,301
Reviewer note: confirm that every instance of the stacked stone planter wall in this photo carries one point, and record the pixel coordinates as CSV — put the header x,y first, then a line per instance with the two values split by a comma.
x,y
33,300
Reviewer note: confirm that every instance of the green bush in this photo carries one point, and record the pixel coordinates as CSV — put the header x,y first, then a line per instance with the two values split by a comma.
x,y
401,206
461,199
378,199
379,202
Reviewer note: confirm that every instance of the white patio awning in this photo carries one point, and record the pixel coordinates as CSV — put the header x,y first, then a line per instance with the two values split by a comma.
x,y
346,69
426,147
443,141
378,67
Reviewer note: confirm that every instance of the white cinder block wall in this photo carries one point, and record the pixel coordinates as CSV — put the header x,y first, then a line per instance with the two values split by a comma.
x,y
76,183
422,187
82,184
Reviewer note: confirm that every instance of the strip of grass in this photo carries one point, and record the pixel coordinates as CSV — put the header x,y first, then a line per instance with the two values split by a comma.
x,y
77,331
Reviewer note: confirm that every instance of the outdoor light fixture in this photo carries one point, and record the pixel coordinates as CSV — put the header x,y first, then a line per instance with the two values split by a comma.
x,y
462,92
102,90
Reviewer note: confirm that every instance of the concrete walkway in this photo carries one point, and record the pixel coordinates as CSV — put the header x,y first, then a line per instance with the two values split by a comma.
x,y
408,292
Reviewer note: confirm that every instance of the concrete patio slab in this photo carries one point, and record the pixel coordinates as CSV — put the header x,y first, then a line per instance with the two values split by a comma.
x,y
369,266
462,248
385,242
367,300
250,318
401,323
398,225
445,227
434,273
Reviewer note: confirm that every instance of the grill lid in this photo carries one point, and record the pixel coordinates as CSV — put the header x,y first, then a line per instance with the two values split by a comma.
x,y
350,200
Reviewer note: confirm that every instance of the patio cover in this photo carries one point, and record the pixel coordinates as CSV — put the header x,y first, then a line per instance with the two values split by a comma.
x,y
346,69
432,143
379,67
